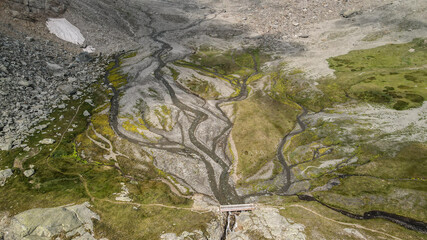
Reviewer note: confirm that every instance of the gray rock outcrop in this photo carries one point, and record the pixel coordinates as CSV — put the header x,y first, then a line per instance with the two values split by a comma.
x,y
268,224
27,8
36,76
329,185
44,223
4,175
29,172
47,141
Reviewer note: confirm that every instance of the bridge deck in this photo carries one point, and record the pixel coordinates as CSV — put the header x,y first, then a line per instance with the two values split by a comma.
x,y
237,207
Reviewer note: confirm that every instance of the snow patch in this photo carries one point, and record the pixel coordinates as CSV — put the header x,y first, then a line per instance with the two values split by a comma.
x,y
89,49
65,30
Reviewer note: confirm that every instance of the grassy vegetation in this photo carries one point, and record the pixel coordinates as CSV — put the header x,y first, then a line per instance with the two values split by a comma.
x,y
156,192
164,116
175,73
387,177
380,172
125,222
327,227
408,163
383,178
140,125
64,175
398,197
224,63
390,75
261,122
130,54
231,66
202,88
287,87
56,181
116,77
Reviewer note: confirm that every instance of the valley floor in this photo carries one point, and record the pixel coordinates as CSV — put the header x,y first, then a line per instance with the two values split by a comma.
x,y
316,114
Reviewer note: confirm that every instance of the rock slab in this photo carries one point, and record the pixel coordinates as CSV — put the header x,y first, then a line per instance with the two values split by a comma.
x,y
4,175
44,223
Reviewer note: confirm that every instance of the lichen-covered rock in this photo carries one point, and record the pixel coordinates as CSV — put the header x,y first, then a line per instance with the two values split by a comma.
x,y
266,223
44,223
29,172
4,175
66,89
47,141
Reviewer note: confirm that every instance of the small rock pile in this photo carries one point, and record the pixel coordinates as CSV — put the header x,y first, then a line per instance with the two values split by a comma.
x,y
35,77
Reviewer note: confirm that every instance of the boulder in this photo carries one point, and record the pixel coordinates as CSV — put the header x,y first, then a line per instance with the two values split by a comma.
x,y
331,183
6,145
3,68
44,223
53,66
56,7
349,13
4,175
47,141
66,89
29,172
84,57
24,83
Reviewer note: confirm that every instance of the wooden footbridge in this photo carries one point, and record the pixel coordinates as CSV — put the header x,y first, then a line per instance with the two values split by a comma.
x,y
237,207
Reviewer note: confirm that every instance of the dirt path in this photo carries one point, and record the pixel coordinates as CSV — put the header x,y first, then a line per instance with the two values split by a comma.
x,y
342,223
85,184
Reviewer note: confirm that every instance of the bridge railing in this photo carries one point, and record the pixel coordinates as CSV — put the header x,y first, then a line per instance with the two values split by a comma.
x,y
237,207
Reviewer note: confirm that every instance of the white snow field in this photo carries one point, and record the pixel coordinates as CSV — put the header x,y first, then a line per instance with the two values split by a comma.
x,y
65,30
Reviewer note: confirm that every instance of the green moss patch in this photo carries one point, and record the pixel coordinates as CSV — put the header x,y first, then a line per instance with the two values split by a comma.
x,y
331,225
394,75
234,66
146,222
261,122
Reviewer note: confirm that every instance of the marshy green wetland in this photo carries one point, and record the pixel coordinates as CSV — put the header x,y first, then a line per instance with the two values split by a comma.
x,y
318,118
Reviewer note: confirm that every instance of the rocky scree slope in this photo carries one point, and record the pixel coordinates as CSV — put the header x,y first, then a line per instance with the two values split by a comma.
x,y
31,9
35,77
